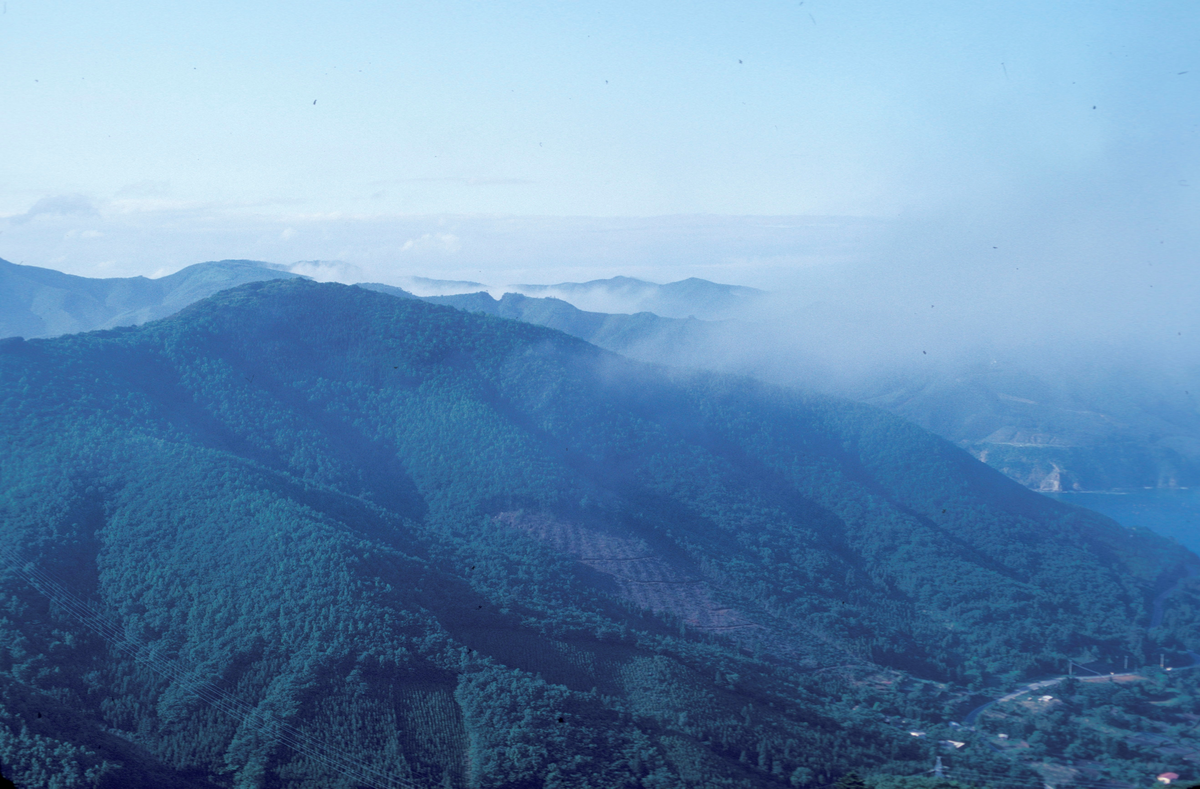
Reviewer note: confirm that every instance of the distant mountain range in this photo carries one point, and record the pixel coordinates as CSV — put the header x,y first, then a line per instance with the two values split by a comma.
x,y
689,298
40,302
425,286
642,335
1094,426
311,535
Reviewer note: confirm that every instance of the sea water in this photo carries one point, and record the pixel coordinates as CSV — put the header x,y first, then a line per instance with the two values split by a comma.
x,y
1170,512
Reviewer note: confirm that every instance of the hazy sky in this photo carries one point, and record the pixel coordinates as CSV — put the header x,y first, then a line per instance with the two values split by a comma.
x,y
186,131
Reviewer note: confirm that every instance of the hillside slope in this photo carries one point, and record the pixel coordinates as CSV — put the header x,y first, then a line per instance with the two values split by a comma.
x,y
309,535
1067,428
1093,423
642,335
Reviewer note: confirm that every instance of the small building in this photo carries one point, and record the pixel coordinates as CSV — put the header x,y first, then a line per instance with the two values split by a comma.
x,y
1166,778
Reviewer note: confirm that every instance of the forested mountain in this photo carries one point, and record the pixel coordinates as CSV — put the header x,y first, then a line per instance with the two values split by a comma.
x,y
692,297
309,535
1092,422
642,335
1079,425
688,298
41,302
1095,424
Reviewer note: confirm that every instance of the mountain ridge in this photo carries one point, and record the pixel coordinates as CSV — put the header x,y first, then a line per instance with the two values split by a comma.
x,y
1083,431
38,302
377,520
691,297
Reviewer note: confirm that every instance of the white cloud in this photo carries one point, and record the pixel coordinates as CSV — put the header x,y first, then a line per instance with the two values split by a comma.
x,y
59,205
446,243
327,271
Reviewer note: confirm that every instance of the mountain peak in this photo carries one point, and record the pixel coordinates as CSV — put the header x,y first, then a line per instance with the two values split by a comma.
x,y
426,539
38,302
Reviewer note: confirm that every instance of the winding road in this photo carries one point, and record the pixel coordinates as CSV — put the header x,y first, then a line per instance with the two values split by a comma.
x,y
1156,618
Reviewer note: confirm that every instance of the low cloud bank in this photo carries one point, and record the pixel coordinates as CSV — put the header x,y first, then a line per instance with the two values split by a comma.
x,y
1077,272
497,250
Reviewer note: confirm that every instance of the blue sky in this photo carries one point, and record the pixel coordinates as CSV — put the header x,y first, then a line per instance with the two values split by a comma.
x,y
193,128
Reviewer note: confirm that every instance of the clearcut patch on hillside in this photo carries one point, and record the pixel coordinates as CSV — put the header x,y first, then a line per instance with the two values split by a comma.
x,y
639,575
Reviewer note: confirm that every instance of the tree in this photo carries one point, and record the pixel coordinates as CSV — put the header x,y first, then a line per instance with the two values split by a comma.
x,y
851,780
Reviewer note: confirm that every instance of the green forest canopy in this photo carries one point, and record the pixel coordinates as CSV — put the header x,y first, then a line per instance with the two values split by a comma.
x,y
433,548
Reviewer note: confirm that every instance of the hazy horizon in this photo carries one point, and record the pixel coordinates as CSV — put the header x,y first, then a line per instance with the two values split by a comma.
x,y
299,534
526,143
920,188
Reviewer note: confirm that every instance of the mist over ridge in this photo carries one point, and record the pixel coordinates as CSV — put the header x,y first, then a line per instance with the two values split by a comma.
x,y
530,540
525,395
1059,399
